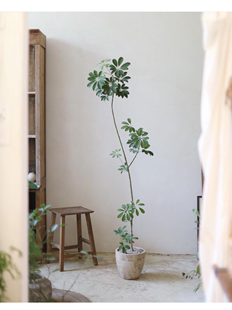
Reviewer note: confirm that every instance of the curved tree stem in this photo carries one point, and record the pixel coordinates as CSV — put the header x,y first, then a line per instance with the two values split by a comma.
x,y
134,158
125,158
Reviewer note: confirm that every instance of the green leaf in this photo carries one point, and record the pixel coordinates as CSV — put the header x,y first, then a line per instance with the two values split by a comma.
x,y
125,66
84,252
120,61
129,120
141,204
138,201
123,218
140,131
54,227
125,123
142,211
94,86
137,212
115,62
120,215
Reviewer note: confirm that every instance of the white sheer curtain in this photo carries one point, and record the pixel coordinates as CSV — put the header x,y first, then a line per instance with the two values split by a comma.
x,y
14,148
215,150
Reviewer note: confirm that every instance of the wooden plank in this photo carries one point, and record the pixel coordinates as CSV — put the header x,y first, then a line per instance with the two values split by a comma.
x,y
38,226
51,235
32,164
36,37
45,165
70,247
36,93
71,210
31,80
85,240
79,232
42,114
55,245
31,115
37,112
91,238
62,240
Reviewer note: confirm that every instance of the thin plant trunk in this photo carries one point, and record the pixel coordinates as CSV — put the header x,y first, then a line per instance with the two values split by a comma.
x,y
125,158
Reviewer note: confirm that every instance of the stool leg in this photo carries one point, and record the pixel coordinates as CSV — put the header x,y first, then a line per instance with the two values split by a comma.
x,y
50,237
79,232
91,238
62,236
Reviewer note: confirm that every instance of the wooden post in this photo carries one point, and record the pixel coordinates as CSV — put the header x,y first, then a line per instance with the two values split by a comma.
x,y
62,239
50,236
91,238
79,232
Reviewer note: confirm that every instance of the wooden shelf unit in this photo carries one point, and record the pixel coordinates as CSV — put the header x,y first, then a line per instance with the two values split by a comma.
x,y
37,119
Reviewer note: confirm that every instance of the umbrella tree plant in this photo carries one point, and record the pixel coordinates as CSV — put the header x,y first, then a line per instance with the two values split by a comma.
x,y
108,82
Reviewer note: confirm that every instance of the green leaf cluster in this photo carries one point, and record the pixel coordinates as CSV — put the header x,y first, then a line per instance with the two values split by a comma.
x,y
196,272
126,239
6,265
34,248
112,81
127,211
116,153
138,138
109,81
123,167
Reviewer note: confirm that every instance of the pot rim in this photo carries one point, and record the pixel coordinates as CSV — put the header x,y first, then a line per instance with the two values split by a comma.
x,y
131,254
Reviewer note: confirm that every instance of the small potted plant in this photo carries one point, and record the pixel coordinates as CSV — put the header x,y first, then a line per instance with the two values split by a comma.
x,y
109,81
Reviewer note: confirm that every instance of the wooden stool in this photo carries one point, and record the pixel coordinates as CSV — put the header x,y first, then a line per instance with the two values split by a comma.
x,y
72,211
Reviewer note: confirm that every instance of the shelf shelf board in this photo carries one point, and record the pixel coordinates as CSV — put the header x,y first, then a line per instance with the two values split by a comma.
x,y
32,136
31,93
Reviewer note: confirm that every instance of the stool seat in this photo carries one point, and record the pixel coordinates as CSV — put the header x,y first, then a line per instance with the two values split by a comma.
x,y
71,210
77,211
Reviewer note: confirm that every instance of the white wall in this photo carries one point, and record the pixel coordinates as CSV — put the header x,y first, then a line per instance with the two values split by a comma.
x,y
14,149
166,66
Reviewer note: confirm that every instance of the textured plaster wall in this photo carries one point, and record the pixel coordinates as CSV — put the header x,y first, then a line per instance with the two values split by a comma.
x,y
165,51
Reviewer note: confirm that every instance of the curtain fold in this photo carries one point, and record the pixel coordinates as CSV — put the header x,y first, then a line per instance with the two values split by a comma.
x,y
215,151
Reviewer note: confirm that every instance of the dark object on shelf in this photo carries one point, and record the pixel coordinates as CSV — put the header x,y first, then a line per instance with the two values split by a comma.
x,y
225,280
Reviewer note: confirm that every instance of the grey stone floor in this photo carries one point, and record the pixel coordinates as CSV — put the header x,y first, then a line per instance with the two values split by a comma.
x,y
161,279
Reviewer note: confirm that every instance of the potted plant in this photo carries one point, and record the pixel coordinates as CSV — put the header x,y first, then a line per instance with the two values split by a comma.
x,y
110,81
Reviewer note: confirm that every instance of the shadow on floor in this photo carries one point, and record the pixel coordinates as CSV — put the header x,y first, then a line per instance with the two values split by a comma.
x,y
162,277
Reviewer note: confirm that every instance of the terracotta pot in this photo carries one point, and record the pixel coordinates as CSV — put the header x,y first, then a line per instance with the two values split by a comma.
x,y
130,265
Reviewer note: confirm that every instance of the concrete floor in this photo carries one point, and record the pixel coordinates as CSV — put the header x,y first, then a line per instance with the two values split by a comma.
x,y
161,279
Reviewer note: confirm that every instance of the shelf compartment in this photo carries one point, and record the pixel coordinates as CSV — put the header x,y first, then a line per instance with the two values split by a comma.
x,y
32,156
31,68
31,115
